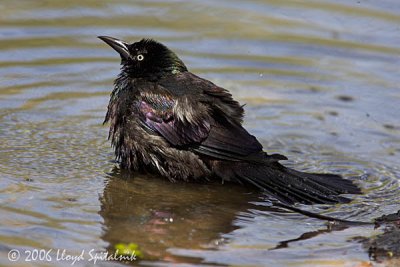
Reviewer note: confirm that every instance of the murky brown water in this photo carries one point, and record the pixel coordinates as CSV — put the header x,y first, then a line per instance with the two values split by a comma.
x,y
321,82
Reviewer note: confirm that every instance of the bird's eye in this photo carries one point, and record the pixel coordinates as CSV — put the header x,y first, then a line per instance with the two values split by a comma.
x,y
140,57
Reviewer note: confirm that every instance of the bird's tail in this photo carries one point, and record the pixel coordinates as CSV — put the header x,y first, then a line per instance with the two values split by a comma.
x,y
291,186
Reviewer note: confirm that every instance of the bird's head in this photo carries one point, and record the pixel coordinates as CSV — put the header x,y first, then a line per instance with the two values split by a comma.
x,y
146,58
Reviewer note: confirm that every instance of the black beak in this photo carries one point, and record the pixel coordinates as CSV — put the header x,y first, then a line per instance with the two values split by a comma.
x,y
120,46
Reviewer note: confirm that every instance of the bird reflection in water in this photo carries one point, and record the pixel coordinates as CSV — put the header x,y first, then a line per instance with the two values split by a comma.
x,y
157,214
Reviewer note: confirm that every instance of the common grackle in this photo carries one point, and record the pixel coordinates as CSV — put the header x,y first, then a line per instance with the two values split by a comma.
x,y
167,120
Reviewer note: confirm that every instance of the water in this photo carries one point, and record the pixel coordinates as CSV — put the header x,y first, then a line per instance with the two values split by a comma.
x,y
320,80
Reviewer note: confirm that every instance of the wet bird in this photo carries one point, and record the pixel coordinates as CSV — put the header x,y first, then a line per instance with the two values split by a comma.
x,y
167,120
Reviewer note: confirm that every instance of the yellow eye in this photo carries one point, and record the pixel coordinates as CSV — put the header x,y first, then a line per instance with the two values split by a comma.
x,y
140,57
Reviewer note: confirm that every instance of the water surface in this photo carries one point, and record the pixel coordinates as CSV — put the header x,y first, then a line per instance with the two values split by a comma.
x,y
320,80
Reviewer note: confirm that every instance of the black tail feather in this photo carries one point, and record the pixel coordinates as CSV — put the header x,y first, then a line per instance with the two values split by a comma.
x,y
291,186
333,181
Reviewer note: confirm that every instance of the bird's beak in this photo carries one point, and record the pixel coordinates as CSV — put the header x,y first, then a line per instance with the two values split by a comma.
x,y
120,46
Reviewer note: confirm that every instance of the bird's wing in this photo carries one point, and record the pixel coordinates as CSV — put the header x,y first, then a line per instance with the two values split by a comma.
x,y
203,124
160,113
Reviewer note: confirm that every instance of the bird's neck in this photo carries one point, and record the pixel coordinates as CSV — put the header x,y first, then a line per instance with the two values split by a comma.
x,y
169,65
126,79
123,82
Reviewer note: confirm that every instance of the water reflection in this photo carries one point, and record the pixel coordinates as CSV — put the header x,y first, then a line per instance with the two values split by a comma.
x,y
159,215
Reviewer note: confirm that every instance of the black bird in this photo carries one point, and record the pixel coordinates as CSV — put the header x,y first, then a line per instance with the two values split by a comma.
x,y
167,120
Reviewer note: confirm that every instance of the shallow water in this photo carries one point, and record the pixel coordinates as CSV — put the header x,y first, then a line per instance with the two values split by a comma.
x,y
320,80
